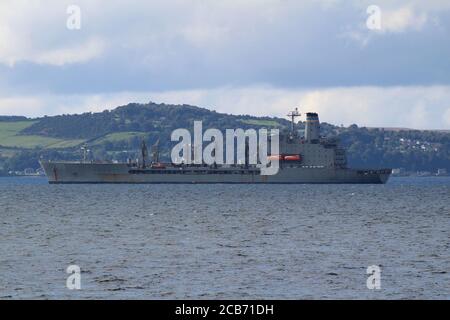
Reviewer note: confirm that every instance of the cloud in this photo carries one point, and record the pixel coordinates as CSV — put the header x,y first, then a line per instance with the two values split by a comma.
x,y
255,56
402,19
35,31
412,107
447,117
396,17
76,54
21,105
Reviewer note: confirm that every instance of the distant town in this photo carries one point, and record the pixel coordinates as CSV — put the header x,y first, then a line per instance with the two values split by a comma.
x,y
401,172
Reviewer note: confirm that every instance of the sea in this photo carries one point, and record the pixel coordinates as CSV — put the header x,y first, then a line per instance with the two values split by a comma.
x,y
225,241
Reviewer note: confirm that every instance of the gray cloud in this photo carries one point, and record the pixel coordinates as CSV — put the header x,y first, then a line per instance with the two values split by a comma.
x,y
204,46
420,107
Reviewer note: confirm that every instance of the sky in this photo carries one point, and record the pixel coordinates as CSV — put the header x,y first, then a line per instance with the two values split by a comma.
x,y
390,68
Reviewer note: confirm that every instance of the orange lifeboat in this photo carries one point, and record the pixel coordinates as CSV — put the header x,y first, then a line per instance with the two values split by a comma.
x,y
275,157
293,157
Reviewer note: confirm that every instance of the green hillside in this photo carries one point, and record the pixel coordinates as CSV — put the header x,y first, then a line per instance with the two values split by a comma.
x,y
117,134
11,136
118,137
262,122
12,128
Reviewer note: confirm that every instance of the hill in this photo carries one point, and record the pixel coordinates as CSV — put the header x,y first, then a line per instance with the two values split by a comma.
x,y
116,134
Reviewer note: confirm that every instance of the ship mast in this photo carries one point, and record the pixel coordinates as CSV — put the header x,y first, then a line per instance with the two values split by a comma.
x,y
85,151
144,153
155,152
293,114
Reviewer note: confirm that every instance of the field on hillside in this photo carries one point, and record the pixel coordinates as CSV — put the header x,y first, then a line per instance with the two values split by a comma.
x,y
12,128
10,137
258,122
118,136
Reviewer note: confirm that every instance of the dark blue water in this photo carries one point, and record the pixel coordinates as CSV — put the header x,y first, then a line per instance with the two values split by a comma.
x,y
225,241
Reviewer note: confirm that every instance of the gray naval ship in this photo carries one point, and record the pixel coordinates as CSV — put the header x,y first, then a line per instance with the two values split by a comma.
x,y
302,159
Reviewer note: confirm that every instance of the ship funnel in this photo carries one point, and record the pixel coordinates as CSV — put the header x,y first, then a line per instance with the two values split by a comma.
x,y
312,127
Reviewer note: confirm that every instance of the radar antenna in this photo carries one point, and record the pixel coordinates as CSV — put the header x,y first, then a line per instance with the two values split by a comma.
x,y
293,114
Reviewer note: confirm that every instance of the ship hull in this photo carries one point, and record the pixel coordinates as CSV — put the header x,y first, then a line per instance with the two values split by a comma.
x,y
89,173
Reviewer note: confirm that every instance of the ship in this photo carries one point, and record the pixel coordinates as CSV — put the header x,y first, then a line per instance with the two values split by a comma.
x,y
303,159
